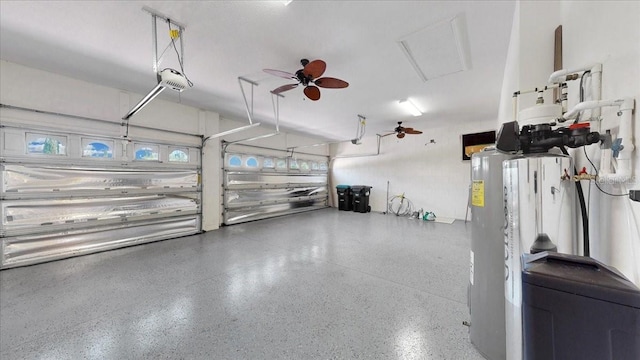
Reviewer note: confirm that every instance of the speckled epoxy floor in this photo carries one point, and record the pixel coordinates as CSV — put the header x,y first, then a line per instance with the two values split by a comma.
x,y
326,284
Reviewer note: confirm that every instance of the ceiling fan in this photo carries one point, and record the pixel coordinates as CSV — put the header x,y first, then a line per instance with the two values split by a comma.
x,y
401,131
308,76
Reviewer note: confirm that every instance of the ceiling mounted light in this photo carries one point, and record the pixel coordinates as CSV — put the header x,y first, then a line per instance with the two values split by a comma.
x,y
286,2
410,107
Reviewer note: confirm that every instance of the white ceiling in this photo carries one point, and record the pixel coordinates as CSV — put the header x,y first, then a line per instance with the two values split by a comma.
x,y
110,42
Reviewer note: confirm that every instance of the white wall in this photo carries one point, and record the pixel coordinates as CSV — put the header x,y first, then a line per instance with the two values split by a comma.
x,y
593,32
433,176
612,38
31,88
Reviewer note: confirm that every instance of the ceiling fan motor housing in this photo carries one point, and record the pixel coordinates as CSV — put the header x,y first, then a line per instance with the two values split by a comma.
x,y
304,80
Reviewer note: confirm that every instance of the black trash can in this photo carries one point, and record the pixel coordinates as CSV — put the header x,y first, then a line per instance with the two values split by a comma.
x,y
345,198
575,307
361,198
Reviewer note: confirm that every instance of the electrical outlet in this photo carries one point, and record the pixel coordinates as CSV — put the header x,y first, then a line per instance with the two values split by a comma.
x,y
634,195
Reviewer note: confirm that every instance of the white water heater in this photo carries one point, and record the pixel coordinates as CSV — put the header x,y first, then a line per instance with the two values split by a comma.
x,y
539,198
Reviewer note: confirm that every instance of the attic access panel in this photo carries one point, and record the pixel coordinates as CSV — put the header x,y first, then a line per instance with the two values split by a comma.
x,y
439,49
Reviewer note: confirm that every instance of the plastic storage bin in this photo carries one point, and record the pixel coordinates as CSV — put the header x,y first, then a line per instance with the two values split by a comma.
x,y
361,198
575,307
345,197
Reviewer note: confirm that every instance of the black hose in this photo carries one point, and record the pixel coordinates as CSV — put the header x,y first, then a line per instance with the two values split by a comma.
x,y
583,209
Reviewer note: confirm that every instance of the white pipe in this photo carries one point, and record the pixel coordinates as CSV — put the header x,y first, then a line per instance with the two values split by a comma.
x,y
605,163
596,90
563,97
561,75
593,104
623,170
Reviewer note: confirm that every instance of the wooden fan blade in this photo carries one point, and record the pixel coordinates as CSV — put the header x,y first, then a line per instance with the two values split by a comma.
x,y
412,131
315,69
280,73
400,135
312,92
284,88
332,83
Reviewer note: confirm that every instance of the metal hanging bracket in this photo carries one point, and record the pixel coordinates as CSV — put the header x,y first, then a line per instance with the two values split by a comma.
x,y
249,108
173,34
249,112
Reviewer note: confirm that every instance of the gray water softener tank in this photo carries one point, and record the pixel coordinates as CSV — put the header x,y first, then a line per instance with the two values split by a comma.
x,y
575,307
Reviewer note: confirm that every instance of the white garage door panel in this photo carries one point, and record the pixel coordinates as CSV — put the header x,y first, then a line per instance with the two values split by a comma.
x,y
66,193
259,186
35,216
236,180
26,179
237,216
240,198
33,249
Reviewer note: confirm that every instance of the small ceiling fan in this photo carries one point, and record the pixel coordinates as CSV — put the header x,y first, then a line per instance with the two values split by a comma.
x,y
401,131
308,76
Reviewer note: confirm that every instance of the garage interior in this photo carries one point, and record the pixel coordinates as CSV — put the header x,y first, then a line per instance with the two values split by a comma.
x,y
317,179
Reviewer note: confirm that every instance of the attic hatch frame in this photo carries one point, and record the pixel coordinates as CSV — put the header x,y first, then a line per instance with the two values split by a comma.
x,y
275,102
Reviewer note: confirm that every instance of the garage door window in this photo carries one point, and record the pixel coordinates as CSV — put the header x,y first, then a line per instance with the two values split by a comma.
x,y
145,152
179,155
235,161
46,144
281,164
94,148
304,166
268,163
251,162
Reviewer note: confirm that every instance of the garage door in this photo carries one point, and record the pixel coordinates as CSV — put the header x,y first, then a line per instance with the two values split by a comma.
x,y
259,185
67,192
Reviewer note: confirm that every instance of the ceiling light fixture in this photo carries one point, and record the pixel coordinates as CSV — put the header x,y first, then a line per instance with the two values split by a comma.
x,y
410,107
286,2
